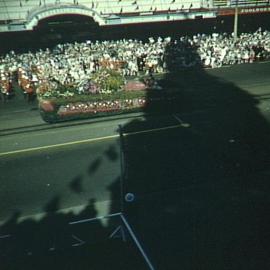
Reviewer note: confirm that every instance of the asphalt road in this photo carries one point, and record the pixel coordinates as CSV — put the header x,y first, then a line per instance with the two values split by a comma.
x,y
199,174
31,180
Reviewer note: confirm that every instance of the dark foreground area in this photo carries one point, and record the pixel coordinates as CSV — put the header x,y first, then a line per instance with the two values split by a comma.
x,y
52,243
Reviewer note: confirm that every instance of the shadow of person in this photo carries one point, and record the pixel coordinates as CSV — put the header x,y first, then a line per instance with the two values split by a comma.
x,y
50,241
200,172
89,211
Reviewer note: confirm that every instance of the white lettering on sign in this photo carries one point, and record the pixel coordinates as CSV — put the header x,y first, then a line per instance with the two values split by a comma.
x,y
254,10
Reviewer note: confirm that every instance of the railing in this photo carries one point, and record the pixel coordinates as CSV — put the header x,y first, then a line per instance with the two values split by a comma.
x,y
240,3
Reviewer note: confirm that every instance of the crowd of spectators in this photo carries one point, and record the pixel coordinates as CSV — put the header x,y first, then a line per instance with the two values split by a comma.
x,y
71,63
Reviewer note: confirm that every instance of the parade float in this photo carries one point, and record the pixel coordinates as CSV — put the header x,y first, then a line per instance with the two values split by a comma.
x,y
105,92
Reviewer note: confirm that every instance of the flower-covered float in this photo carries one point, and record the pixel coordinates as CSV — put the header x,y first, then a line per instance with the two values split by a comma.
x,y
104,93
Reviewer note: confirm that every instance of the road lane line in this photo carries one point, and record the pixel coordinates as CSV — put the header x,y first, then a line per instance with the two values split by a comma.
x,y
85,141
182,123
151,130
58,145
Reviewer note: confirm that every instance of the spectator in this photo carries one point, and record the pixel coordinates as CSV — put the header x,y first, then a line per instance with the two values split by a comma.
x,y
70,64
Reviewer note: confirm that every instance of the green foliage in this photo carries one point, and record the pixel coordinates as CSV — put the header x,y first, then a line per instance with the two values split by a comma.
x,y
108,80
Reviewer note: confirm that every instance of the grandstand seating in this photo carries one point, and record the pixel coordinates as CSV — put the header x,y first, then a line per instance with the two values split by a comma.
x,y
19,9
25,12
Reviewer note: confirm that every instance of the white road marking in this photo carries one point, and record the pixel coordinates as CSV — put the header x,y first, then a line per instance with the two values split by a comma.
x,y
5,236
79,243
182,123
58,145
86,141
151,130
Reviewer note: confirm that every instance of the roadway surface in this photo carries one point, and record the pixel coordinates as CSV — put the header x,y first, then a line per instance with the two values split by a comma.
x,y
200,174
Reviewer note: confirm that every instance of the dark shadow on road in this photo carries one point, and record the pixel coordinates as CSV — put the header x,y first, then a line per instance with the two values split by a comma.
x,y
77,184
94,166
201,189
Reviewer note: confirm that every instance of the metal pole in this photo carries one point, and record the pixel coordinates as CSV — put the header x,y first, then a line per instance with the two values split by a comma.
x,y
235,28
137,243
94,219
122,168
